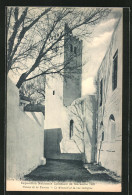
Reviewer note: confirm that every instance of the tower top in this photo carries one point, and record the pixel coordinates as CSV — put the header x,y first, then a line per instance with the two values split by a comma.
x,y
67,29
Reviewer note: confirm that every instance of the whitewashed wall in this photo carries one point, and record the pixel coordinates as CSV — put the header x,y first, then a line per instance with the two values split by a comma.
x,y
24,147
111,150
57,115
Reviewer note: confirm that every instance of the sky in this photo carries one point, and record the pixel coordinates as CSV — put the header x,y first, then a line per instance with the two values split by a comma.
x,y
94,49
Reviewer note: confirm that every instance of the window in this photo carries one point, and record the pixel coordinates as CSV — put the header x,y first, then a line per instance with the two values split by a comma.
x,y
53,92
101,91
71,128
101,126
103,136
75,50
102,130
114,72
71,48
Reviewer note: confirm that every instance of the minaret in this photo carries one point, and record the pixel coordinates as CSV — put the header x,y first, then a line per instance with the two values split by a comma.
x,y
73,70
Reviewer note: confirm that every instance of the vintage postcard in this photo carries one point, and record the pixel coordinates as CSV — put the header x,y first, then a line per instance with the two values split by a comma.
x,y
64,99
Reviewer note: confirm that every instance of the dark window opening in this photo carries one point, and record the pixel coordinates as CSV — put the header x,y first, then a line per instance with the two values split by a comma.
x,y
112,117
75,50
53,92
101,92
71,128
114,73
101,125
103,136
71,48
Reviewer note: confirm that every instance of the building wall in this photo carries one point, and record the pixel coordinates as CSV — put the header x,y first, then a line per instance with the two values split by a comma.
x,y
52,146
60,93
83,113
109,150
25,132
90,128
57,115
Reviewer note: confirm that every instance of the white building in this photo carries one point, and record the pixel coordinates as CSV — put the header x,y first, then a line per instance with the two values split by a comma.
x,y
60,121
87,128
109,110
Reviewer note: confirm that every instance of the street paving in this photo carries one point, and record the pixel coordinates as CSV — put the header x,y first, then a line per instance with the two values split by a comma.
x,y
66,170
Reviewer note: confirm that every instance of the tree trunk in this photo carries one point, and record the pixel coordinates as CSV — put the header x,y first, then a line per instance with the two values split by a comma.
x,y
21,80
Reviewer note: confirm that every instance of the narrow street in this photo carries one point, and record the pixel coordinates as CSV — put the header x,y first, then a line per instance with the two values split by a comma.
x,y
66,170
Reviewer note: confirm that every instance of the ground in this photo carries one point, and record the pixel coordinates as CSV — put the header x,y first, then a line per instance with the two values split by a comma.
x,y
67,170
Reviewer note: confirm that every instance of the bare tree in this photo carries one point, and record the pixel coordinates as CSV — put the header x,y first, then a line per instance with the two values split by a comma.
x,y
35,37
34,90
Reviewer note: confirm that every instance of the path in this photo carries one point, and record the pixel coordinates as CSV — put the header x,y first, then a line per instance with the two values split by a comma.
x,y
66,170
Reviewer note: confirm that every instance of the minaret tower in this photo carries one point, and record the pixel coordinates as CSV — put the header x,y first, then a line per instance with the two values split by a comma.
x,y
73,71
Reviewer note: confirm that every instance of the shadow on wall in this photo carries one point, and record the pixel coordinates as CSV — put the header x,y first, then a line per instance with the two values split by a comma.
x,y
92,143
52,150
91,129
52,139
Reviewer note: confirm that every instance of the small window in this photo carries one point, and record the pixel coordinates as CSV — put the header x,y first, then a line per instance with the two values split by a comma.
x,y
71,128
101,92
114,72
71,48
102,130
53,92
75,50
103,136
101,125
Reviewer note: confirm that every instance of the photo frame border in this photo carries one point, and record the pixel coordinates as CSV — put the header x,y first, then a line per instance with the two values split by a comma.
x,y
125,83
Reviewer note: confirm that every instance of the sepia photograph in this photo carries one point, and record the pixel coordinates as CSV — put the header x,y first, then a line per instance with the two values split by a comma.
x,y
64,99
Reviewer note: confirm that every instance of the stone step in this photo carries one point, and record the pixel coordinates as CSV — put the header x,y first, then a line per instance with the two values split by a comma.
x,y
66,156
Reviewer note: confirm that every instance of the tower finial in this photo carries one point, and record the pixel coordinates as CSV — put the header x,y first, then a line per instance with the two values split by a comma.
x,y
67,29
